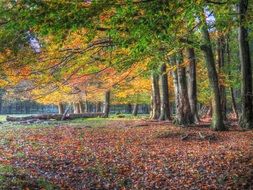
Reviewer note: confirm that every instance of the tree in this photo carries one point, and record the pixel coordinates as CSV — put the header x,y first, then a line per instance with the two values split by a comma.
x,y
192,83
246,120
217,117
184,115
106,110
60,108
135,110
164,94
221,45
155,97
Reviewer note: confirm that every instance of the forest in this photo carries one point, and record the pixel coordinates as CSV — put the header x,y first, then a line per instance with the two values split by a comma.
x,y
126,94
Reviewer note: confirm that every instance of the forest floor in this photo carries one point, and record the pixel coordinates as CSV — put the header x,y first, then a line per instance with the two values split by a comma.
x,y
124,154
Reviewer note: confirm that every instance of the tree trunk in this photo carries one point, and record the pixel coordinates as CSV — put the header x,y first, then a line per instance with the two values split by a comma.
x,y
85,102
175,82
135,110
155,97
81,106
217,117
34,118
192,83
246,120
76,108
183,116
107,104
129,108
234,107
221,63
60,108
164,94
98,107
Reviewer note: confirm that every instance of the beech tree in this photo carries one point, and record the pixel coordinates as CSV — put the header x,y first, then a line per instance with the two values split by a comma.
x,y
246,120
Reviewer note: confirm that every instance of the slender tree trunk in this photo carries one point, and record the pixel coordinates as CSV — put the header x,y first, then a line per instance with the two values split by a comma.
x,y
164,94
217,118
155,97
192,83
234,107
175,82
246,120
98,107
81,106
184,115
135,110
129,108
221,63
60,108
85,102
106,110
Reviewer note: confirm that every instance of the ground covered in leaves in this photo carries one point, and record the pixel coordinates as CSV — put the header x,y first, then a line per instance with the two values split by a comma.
x,y
127,155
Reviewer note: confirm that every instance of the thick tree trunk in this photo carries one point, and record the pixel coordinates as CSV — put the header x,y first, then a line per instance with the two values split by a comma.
x,y
184,115
76,108
192,83
106,110
246,120
135,110
221,63
33,118
60,108
217,118
164,94
155,97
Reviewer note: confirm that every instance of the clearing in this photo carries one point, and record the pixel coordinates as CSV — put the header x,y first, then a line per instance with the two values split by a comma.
x,y
124,154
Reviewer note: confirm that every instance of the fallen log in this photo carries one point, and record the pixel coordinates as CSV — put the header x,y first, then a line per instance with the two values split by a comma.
x,y
53,117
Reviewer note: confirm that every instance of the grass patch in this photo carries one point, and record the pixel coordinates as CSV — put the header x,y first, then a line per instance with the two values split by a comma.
x,y
12,178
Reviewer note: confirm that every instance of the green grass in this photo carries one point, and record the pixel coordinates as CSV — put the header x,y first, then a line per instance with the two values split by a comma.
x,y
2,118
12,178
91,122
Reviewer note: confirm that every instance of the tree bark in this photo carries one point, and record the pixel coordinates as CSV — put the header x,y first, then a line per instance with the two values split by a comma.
x,y
135,110
217,117
60,108
221,63
81,106
184,115
155,97
164,94
76,108
246,120
192,83
175,83
107,104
